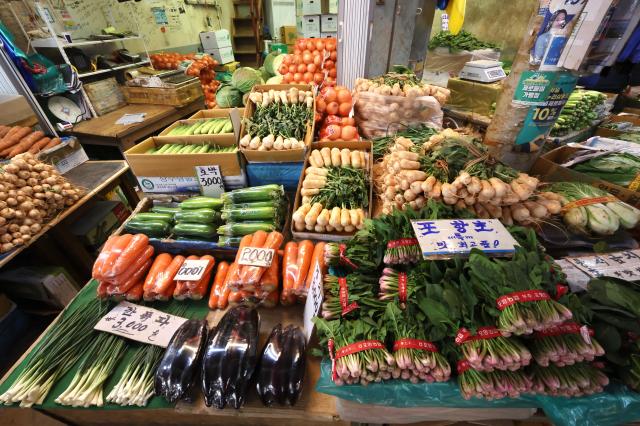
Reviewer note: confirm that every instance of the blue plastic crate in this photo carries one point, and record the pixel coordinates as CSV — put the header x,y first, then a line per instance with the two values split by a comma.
x,y
285,174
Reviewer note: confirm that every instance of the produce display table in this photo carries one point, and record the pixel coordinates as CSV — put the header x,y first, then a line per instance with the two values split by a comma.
x,y
104,130
96,177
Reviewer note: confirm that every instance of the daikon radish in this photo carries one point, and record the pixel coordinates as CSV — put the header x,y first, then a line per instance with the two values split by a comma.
x,y
302,211
536,210
312,216
323,217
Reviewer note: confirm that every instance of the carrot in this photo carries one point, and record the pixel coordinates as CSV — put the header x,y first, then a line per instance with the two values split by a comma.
x,y
135,293
120,244
316,259
104,253
218,281
223,298
165,280
134,267
237,297
234,279
180,292
270,278
305,252
257,240
203,284
212,262
141,270
252,274
166,295
54,142
13,137
102,290
160,264
4,130
25,143
134,249
289,267
287,300
39,145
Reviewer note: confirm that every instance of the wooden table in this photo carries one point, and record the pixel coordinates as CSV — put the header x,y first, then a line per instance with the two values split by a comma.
x,y
104,130
95,177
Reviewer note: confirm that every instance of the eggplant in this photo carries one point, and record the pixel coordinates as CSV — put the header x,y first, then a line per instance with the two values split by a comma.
x,y
177,369
230,358
296,345
268,367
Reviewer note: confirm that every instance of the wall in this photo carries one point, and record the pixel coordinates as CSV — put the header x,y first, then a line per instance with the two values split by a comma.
x,y
499,21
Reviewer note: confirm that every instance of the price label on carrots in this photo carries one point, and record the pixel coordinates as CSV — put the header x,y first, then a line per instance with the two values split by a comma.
x,y
447,237
314,301
256,256
191,270
210,180
140,323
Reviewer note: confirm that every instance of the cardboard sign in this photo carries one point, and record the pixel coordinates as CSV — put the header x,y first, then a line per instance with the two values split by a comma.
x,y
210,180
447,237
256,256
314,302
622,264
192,270
140,323
576,279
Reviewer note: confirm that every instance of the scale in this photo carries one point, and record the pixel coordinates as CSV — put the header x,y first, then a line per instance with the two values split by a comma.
x,y
64,109
483,71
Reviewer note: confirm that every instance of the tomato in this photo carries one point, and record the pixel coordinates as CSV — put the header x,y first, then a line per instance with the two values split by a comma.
x,y
284,68
319,45
317,60
329,64
321,105
310,45
332,107
302,68
307,77
344,109
297,77
348,121
333,131
318,78
311,67
333,55
287,60
307,58
349,133
329,95
293,68
287,78
333,73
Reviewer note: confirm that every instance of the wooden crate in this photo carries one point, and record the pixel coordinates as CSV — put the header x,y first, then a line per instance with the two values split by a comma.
x,y
105,95
174,96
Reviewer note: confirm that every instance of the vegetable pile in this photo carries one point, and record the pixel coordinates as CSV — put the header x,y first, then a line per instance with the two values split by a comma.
x,y
463,40
17,140
579,111
280,121
335,191
620,168
31,194
313,61
299,263
178,148
334,108
211,126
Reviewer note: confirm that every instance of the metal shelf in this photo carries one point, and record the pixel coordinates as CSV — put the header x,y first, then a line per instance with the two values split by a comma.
x,y
119,67
51,42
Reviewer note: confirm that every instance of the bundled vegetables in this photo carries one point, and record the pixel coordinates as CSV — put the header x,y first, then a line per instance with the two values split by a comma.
x,y
335,191
333,114
492,385
247,210
280,121
570,381
564,345
17,140
463,40
31,193
590,210
416,134
579,111
209,126
620,168
135,386
299,263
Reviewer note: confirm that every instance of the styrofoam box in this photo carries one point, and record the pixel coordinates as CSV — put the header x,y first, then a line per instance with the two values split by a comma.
x,y
328,23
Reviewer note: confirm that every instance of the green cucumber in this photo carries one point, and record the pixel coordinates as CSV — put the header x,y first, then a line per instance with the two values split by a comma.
x,y
199,127
199,230
150,151
206,128
174,149
201,203
202,149
216,129
183,149
165,209
163,148
198,216
151,228
152,216
192,128
228,127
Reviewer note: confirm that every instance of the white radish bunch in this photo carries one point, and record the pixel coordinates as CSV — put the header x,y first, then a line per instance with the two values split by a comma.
x,y
316,218
378,86
269,143
538,207
292,96
336,157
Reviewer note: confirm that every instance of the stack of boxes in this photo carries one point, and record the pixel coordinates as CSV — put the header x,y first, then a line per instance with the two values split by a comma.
x,y
218,45
317,18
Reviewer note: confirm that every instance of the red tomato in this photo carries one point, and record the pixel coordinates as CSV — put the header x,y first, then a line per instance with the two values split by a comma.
x,y
307,77
297,59
343,95
333,131
302,68
333,55
307,52
330,45
348,121
318,78
319,45
311,67
344,109
330,95
297,51
310,45
297,77
301,43
349,133
333,73
321,105
333,119
293,68
329,64
332,108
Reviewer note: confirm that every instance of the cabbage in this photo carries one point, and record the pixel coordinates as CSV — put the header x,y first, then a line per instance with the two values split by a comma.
x,y
245,78
275,80
268,62
264,75
228,97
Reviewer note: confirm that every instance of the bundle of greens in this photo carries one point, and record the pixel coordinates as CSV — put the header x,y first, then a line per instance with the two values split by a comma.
x,y
463,40
135,386
492,385
488,350
588,209
631,137
361,252
570,381
564,345
418,135
578,112
620,168
343,295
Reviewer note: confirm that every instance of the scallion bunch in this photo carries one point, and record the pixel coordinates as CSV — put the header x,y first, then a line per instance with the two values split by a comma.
x,y
571,381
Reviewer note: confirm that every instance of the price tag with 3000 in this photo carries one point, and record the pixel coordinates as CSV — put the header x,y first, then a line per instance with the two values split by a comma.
x,y
210,180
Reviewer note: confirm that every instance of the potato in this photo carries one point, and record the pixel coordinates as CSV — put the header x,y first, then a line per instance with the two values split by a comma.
x,y
6,247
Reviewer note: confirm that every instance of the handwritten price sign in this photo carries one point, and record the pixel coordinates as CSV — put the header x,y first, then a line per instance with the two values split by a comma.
x,y
256,256
314,301
191,270
210,180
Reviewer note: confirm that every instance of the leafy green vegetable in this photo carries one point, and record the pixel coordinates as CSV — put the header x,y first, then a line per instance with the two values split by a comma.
x,y
228,97
464,40
244,78
620,168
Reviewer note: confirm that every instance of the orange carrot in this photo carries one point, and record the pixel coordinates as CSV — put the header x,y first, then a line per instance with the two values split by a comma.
x,y
237,297
223,298
218,281
4,130
252,274
305,252
119,245
316,259
165,280
138,244
212,262
135,293
134,267
104,253
258,239
124,286
102,290
160,264
289,267
54,142
234,279
271,277
37,147
198,292
180,292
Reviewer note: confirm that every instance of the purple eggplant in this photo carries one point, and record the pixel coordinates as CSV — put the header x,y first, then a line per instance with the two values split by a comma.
x,y
266,381
230,358
296,346
179,365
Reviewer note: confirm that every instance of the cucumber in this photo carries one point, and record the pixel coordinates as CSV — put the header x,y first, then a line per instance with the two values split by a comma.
x,y
192,129
207,126
199,127
183,149
150,151
193,149
198,230
152,216
174,149
202,149
228,127
163,148
201,203
151,228
197,216
216,129
165,209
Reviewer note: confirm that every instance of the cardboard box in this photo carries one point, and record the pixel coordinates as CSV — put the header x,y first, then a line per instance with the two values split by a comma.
x,y
548,166
329,35
230,67
357,145
273,156
332,6
612,133
51,285
311,7
98,222
223,55
215,39
288,34
329,23
13,109
216,113
309,26
66,156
